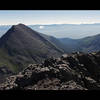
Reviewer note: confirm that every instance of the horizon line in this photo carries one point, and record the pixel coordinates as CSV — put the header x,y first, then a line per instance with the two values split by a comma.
x,y
50,24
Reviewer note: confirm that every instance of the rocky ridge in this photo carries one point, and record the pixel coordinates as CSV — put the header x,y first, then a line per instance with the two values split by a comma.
x,y
76,71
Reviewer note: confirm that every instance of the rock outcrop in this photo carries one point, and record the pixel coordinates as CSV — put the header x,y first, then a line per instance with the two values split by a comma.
x,y
4,73
76,71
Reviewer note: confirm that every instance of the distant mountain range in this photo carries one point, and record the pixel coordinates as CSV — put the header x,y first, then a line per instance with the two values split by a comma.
x,y
86,45
74,31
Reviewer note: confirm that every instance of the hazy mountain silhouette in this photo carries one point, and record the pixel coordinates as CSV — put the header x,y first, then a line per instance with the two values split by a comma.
x,y
87,44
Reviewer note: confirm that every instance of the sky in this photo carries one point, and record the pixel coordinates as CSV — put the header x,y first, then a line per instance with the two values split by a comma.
x,y
31,17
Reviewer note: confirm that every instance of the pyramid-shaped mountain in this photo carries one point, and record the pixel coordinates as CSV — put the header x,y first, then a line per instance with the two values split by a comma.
x,y
21,46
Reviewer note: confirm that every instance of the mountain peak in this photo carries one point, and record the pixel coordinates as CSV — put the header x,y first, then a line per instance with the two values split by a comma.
x,y
24,45
20,25
15,30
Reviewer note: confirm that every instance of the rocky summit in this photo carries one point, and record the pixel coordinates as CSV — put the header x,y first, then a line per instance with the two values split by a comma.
x,y
76,71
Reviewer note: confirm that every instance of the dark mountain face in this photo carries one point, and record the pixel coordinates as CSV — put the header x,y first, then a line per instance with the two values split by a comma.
x,y
88,44
22,45
55,41
70,45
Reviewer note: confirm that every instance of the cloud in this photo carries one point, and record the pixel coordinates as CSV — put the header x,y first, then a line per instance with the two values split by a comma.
x,y
41,27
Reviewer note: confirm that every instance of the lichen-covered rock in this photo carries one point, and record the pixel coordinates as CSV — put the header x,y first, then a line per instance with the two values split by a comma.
x,y
75,71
